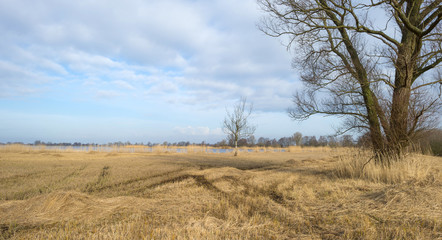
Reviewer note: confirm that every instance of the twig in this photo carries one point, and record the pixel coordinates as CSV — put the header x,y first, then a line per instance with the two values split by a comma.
x,y
363,166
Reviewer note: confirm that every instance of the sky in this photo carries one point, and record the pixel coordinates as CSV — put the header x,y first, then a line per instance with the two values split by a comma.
x,y
141,71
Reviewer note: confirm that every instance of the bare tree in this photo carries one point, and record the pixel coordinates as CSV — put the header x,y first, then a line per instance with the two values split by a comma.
x,y
236,124
375,63
297,137
251,140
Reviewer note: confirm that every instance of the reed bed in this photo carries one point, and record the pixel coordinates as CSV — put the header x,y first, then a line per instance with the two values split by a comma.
x,y
161,149
70,194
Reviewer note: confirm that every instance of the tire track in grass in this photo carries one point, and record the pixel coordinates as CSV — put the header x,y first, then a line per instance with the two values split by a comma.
x,y
74,173
200,180
18,176
45,188
127,182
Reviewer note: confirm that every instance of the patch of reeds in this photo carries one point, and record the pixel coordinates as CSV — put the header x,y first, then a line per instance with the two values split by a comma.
x,y
159,149
362,165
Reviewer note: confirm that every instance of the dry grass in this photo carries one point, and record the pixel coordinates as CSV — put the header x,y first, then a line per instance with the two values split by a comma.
x,y
413,168
296,194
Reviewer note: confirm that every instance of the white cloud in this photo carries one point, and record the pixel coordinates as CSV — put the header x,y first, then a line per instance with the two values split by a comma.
x,y
123,84
162,88
168,55
88,63
198,131
213,46
16,80
108,94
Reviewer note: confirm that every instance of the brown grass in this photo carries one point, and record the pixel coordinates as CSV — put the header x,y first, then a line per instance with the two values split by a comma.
x,y
411,168
297,194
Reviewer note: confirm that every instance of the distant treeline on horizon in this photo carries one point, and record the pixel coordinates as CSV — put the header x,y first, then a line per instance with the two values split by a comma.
x,y
432,139
296,140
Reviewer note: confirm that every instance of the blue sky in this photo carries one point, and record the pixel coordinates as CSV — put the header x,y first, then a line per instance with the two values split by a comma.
x,y
104,71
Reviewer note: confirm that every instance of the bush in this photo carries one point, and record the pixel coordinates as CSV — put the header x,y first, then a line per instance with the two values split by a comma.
x,y
432,140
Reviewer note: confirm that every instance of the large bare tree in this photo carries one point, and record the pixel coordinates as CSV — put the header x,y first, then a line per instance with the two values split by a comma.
x,y
236,124
375,63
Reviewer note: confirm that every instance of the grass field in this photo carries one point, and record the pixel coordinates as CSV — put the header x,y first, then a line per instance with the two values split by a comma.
x,y
296,194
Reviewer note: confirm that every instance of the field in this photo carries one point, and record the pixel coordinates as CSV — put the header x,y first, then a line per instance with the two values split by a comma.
x,y
297,194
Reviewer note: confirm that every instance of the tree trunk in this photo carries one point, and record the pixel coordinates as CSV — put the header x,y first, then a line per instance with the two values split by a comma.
x,y
236,147
362,77
407,55
399,119
377,139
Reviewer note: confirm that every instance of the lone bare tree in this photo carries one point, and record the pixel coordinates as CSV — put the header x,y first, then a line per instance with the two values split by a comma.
x,y
236,124
297,137
376,63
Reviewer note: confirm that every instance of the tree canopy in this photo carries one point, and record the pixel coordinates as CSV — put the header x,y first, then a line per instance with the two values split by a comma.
x,y
374,63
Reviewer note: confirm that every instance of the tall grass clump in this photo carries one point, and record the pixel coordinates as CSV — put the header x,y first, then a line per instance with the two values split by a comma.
x,y
412,167
18,148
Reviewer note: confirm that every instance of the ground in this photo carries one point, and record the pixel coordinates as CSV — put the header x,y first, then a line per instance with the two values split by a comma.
x,y
298,194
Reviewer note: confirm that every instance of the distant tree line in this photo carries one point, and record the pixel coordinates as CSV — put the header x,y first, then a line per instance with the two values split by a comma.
x,y
296,139
429,141
119,143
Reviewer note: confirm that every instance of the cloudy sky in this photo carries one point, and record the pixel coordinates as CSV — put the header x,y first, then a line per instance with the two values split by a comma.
x,y
158,70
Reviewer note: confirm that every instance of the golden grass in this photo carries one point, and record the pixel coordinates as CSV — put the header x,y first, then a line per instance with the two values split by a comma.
x,y
412,169
160,149
296,194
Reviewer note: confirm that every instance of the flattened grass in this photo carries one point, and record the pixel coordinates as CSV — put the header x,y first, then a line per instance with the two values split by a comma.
x,y
258,195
